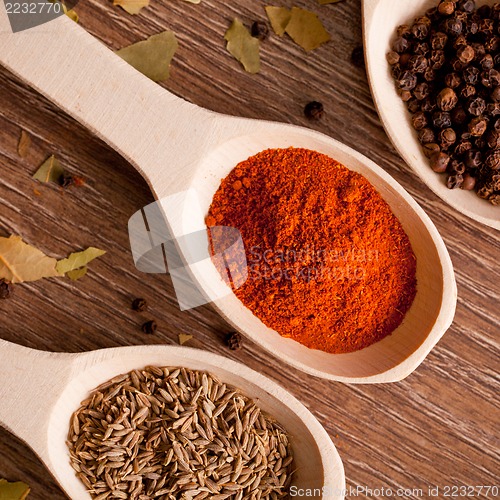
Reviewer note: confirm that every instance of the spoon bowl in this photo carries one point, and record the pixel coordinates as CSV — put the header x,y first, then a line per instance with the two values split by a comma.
x,y
381,18
184,151
40,391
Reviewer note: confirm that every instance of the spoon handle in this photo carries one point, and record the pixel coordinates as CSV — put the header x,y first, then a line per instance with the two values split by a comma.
x,y
30,384
135,116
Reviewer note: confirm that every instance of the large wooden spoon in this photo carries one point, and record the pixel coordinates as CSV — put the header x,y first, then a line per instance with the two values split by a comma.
x,y
181,148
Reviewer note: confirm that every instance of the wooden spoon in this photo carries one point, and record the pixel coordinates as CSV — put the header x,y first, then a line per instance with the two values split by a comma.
x,y
40,391
179,148
381,18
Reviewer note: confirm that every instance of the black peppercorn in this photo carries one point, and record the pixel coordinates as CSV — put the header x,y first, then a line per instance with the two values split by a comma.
x,y
426,135
439,40
484,192
396,71
453,27
484,11
486,62
234,341
468,183
392,57
407,80
5,289
490,78
447,137
149,327
417,64
400,45
419,120
456,167
447,99
413,105
446,8
492,44
439,162
467,91
260,30
358,57
486,26
454,181
405,95
495,94
422,91
403,60
492,160
476,106
462,146
437,59
430,149
420,49
428,105
420,30
466,54
429,75
441,119
404,30
477,126
470,75
139,305
460,41
314,110
473,159
467,6
452,80
493,109
493,139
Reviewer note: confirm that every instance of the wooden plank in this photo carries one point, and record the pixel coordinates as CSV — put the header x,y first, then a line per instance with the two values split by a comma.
x,y
437,427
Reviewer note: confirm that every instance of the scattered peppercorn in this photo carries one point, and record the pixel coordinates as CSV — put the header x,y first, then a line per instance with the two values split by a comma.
x,y
149,327
314,110
139,305
358,57
260,30
5,289
446,65
234,341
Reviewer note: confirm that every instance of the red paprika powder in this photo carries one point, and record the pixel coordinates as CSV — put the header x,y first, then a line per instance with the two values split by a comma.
x,y
329,264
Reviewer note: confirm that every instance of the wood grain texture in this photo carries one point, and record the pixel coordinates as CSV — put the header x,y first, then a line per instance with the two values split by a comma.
x,y
437,427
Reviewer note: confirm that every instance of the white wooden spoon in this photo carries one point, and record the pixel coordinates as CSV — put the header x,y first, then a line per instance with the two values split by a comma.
x,y
179,147
39,391
381,18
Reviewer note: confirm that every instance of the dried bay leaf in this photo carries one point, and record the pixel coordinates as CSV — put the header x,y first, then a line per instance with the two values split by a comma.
x,y
21,262
50,170
152,57
13,491
279,17
132,6
306,29
243,46
77,273
24,144
78,260
184,337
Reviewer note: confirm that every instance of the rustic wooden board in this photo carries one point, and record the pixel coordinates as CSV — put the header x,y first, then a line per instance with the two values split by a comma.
x,y
437,427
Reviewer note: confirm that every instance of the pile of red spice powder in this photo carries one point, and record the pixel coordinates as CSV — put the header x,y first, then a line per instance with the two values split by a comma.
x,y
329,264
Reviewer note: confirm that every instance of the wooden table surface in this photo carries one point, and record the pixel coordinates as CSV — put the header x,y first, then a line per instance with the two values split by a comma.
x,y
438,427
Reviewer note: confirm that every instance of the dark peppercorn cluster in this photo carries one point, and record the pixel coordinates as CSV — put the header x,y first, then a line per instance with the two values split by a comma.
x,y
447,70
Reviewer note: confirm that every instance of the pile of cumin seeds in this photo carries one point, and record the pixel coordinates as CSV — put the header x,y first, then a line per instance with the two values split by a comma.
x,y
174,433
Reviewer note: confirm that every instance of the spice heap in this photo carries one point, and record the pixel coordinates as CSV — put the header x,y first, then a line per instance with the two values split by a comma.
x,y
446,67
168,433
329,265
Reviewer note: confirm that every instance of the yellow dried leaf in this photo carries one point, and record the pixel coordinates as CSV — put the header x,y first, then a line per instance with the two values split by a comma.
x,y
24,144
50,170
306,29
21,262
77,273
131,6
279,17
243,46
152,57
78,259
13,491
71,13
184,337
